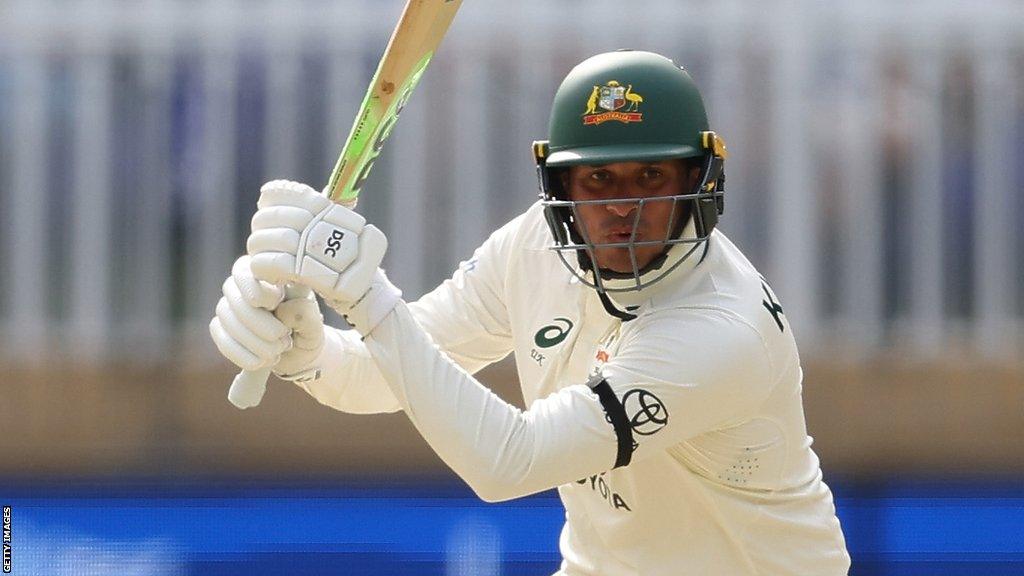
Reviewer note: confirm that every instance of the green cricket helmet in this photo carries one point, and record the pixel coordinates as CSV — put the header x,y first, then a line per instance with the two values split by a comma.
x,y
629,106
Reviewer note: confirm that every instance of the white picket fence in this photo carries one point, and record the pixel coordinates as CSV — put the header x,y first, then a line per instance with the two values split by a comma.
x,y
874,175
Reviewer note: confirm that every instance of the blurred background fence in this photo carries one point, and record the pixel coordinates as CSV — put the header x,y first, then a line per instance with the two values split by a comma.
x,y
875,171
875,179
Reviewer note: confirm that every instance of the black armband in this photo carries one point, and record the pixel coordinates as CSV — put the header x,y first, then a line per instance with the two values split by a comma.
x,y
616,414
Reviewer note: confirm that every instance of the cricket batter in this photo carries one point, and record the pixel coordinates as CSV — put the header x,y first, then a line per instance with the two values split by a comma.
x,y
660,371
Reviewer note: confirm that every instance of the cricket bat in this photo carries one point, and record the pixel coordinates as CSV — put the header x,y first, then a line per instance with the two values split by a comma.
x,y
415,39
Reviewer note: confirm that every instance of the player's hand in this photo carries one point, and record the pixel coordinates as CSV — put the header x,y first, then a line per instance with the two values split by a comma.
x,y
301,237
256,326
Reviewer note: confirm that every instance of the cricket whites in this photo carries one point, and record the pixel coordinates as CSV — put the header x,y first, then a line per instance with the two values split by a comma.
x,y
415,39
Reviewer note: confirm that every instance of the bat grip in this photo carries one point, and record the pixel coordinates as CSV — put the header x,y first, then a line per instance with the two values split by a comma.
x,y
248,387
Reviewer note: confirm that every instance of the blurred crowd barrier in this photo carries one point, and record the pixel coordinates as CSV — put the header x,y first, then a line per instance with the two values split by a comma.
x,y
874,178
880,420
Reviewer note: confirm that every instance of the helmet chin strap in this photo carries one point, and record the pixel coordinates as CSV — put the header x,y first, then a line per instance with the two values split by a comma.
x,y
671,265
610,308
605,273
653,265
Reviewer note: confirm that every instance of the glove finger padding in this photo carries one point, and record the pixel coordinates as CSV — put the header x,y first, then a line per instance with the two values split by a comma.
x,y
259,321
255,292
281,217
295,194
266,350
283,240
276,267
232,350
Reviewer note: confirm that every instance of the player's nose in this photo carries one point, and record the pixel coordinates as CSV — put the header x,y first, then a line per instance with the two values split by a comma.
x,y
621,209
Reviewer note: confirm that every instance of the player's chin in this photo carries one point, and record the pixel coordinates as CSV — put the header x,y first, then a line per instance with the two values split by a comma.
x,y
618,260
614,260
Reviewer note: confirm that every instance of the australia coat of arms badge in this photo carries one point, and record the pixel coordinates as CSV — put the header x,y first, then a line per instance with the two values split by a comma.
x,y
613,101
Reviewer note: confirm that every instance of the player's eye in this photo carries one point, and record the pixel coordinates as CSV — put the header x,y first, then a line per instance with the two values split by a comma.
x,y
600,176
652,174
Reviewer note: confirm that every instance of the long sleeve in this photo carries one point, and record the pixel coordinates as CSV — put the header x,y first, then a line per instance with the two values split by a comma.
x,y
349,379
499,450
680,375
465,316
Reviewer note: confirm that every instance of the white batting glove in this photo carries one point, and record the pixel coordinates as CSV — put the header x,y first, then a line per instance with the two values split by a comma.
x,y
256,327
301,237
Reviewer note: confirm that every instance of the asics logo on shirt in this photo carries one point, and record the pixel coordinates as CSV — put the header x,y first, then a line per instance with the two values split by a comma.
x,y
554,333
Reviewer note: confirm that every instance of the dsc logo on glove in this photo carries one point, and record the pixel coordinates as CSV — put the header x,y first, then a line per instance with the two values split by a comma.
x,y
334,243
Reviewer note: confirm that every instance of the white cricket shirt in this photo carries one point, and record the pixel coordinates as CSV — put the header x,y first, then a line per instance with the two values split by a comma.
x,y
676,440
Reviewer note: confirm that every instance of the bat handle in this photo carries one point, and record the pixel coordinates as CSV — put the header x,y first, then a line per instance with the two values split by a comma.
x,y
248,387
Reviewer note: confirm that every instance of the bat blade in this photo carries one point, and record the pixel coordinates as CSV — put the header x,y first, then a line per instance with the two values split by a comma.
x,y
416,37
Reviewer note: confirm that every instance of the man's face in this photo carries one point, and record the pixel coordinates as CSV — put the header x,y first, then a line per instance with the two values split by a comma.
x,y
613,223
